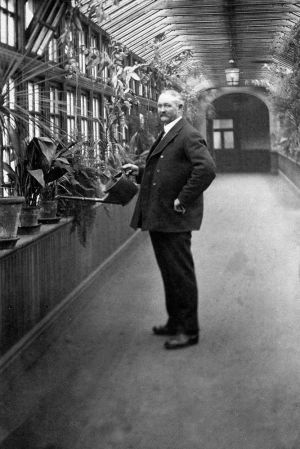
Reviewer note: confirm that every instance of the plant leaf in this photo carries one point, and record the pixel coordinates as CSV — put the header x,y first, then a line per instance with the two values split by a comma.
x,y
38,175
63,160
16,143
9,170
48,148
135,76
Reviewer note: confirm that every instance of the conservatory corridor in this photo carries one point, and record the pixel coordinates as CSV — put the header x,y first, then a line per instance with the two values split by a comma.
x,y
107,382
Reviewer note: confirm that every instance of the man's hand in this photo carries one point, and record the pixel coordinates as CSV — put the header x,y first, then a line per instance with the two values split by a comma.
x,y
131,169
178,207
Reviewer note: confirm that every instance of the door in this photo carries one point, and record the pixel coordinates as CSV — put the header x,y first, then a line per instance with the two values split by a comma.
x,y
225,145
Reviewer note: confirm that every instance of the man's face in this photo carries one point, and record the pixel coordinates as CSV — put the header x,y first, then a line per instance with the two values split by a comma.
x,y
168,108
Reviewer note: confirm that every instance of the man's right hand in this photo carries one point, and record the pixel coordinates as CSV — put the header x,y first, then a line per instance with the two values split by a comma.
x,y
131,169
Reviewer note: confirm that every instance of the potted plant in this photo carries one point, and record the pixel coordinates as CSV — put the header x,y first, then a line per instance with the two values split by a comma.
x,y
34,173
25,180
48,204
53,161
80,182
10,209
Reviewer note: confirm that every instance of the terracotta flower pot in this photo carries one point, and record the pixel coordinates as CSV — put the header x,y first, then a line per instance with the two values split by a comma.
x,y
10,209
29,220
48,209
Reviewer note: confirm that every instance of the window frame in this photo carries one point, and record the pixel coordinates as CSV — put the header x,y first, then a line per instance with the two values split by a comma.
x,y
55,116
34,106
82,45
222,130
10,101
71,106
11,17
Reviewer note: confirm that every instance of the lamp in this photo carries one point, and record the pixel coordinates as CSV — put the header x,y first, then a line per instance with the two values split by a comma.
x,y
232,74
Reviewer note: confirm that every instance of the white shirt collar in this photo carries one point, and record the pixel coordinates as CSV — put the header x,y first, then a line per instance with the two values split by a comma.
x,y
170,125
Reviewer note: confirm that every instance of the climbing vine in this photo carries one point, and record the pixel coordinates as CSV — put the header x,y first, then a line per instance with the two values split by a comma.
x,y
282,82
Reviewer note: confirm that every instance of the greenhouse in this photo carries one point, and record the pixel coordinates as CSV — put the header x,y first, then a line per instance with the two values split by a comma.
x,y
149,224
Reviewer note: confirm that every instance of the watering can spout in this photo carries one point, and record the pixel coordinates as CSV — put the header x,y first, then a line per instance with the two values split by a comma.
x,y
119,190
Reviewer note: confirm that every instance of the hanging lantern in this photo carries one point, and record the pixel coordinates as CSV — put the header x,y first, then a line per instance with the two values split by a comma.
x,y
232,74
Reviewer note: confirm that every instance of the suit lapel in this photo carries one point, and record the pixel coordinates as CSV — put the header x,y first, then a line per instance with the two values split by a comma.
x,y
154,145
160,143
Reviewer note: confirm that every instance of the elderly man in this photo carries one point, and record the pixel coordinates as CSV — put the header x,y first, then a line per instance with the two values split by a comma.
x,y
170,205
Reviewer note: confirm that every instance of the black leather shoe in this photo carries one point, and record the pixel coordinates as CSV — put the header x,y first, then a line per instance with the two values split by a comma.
x,y
180,341
163,330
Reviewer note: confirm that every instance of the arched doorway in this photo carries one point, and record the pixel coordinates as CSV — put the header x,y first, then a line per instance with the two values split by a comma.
x,y
239,133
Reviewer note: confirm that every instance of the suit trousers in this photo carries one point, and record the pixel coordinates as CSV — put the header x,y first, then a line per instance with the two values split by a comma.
x,y
175,260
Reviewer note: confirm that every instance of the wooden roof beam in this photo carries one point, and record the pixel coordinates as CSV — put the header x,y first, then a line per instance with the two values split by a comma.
x,y
148,37
129,16
143,28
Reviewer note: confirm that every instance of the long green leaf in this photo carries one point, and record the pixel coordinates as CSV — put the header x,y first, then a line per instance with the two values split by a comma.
x,y
9,170
16,142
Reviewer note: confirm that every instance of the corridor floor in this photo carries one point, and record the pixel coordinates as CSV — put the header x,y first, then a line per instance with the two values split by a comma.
x,y
107,382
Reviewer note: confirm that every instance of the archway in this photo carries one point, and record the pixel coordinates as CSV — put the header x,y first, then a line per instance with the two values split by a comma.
x,y
239,133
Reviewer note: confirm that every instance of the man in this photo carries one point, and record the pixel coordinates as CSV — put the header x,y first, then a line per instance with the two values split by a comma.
x,y
170,205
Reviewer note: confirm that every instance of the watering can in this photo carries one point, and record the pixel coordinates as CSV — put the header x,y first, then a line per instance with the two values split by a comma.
x,y
119,190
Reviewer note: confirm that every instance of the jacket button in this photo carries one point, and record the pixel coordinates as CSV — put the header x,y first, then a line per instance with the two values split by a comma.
x,y
162,156
158,170
154,184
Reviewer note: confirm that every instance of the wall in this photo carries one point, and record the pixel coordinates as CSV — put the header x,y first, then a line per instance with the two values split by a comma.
x,y
43,270
289,168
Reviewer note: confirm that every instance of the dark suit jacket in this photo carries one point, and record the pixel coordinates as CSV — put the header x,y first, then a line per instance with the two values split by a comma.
x,y
178,166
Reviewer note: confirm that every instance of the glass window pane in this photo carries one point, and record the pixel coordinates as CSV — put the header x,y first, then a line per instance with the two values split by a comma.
x,y
217,140
29,12
56,99
96,108
11,5
3,27
37,131
37,98
5,133
31,128
222,123
228,140
68,103
53,50
30,96
11,32
96,132
72,104
84,128
71,126
52,99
